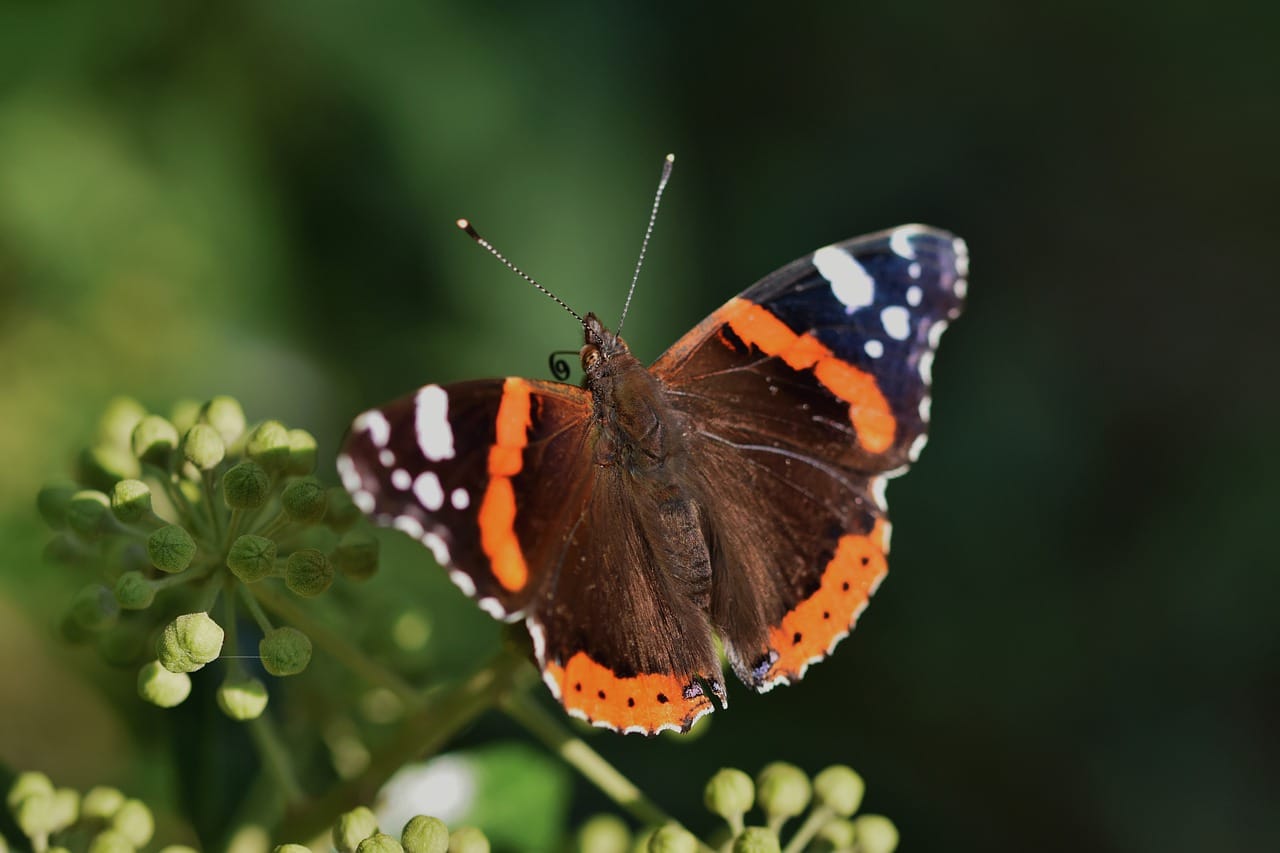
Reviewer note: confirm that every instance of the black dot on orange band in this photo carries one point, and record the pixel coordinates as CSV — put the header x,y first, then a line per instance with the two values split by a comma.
x,y
866,560
826,615
631,703
662,699
600,693
578,687
796,637
845,586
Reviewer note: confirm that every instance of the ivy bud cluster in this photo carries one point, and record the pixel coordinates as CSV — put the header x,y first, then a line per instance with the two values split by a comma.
x,y
101,820
829,802
183,519
357,831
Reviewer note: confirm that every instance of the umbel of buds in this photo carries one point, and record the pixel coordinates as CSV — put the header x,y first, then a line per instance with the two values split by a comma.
x,y
195,514
780,792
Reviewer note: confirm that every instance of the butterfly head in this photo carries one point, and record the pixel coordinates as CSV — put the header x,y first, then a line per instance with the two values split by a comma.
x,y
599,346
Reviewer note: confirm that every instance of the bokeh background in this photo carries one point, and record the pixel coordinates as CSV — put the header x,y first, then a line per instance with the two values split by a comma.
x,y
1077,644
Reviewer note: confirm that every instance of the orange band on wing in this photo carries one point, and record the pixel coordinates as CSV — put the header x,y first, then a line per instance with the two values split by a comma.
x,y
868,409
809,631
497,515
646,703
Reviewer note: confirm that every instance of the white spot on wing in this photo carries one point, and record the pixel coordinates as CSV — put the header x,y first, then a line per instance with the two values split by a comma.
x,y
410,525
463,582
913,453
427,489
900,243
914,269
914,295
460,499
849,281
431,420
935,333
926,407
877,491
492,607
401,480
962,256
897,322
347,471
875,349
374,423
363,500
926,367
961,287
386,457
440,551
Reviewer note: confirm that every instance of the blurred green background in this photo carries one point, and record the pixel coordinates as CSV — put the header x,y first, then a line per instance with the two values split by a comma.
x,y
1076,648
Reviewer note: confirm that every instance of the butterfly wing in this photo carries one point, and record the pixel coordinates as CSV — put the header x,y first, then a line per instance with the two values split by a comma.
x,y
805,394
453,465
498,479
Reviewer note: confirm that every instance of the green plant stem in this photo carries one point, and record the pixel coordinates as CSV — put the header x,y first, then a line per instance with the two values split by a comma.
x,y
336,645
275,757
422,734
818,818
525,710
255,610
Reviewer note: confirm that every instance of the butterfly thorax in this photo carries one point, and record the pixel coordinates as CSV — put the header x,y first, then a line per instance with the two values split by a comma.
x,y
633,420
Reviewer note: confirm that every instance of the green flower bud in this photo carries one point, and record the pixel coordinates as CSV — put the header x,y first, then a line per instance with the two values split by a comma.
x,y
604,833
285,651
756,839
302,452
133,820
308,572
782,790
242,698
54,501
134,591
28,784
424,834
118,421
171,548
226,416
839,789
875,834
380,843
94,608
342,512
184,415
182,848
131,500
189,642
154,438
65,808
111,841
673,838
87,513
353,827
161,687
838,834
245,486
468,839
268,445
730,794
101,802
304,501
411,630
251,557
356,555
36,814
290,848
203,447
104,465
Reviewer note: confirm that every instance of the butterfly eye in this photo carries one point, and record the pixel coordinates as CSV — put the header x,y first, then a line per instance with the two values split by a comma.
x,y
590,355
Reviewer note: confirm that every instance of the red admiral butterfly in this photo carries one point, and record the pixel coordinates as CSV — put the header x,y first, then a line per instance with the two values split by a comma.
x,y
735,488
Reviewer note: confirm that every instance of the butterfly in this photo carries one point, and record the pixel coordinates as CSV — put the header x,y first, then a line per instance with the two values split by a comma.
x,y
733,488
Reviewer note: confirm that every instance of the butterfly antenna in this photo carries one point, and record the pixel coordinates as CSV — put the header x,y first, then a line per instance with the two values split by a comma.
x,y
648,232
487,246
